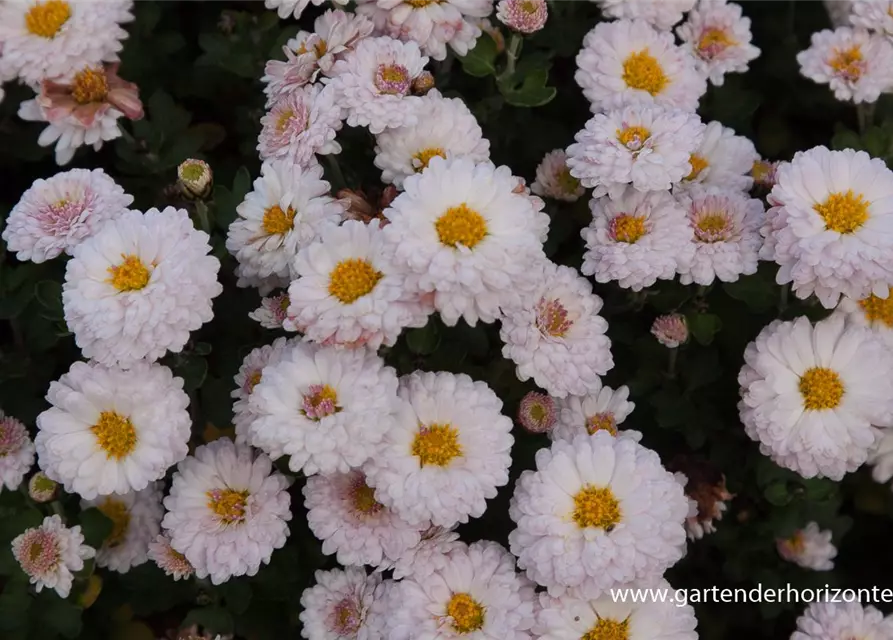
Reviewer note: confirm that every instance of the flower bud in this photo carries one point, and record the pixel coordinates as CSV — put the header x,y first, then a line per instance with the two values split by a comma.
x,y
195,179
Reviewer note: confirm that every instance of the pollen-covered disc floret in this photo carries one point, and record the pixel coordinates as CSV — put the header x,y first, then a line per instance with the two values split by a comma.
x,y
814,396
554,179
723,159
537,412
111,430
446,453
325,407
136,521
598,512
169,560
50,554
875,312
557,337
662,14
603,410
340,605
831,620
16,452
628,61
719,39
300,124
227,510
636,238
463,232
137,287
248,377
810,547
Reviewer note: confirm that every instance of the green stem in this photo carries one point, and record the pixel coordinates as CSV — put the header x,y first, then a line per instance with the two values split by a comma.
x,y
865,115
511,54
337,179
671,363
783,298
56,508
201,209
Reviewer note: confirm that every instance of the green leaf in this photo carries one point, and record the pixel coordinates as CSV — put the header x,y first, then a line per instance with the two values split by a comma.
x,y
845,139
533,91
167,116
214,620
777,493
14,603
11,306
49,295
193,370
96,526
60,615
480,62
423,341
704,326
758,294
237,594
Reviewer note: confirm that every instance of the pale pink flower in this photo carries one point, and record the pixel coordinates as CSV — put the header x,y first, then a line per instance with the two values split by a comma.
x,y
301,124
16,452
172,562
51,553
536,413
670,330
272,311
524,16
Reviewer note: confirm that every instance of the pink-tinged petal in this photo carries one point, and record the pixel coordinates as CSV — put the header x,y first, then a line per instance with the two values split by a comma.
x,y
127,101
88,113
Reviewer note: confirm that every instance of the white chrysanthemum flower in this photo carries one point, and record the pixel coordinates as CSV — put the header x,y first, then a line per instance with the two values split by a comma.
x,y
249,375
429,555
604,410
16,452
573,618
227,510
327,408
300,124
831,225
557,337
719,39
169,560
56,214
446,128
447,452
856,64
881,457
294,8
339,605
874,312
477,594
726,225
137,287
840,620
347,292
874,15
463,232
644,145
272,311
810,547
342,512
637,238
51,554
629,61
662,14
554,179
136,521
111,430
814,396
598,512
722,160
373,83
52,39
289,208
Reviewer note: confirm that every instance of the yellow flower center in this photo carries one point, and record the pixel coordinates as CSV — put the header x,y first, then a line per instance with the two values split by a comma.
x,y
566,182
466,613
44,19
277,221
642,71
627,228
843,212
228,504
760,170
90,85
878,309
698,164
321,48
528,7
607,629
418,4
254,380
115,434
35,551
424,157
117,512
712,227
714,41
130,275
602,422
283,119
848,62
436,444
796,543
821,388
352,279
320,401
538,412
364,499
461,225
596,507
633,137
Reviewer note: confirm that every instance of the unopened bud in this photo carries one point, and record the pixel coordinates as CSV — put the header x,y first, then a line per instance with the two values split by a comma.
x,y
423,83
763,173
41,488
195,178
671,331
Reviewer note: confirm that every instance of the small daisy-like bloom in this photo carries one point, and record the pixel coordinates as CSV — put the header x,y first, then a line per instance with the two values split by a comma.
x,y
56,214
726,225
706,486
294,8
814,396
830,225
289,207
537,413
16,452
339,604
557,337
248,377
227,510
342,512
272,311
51,554
347,292
874,15
856,64
477,594
300,124
111,430
596,513
195,178
138,286
446,453
603,618
327,408
670,330
637,238
629,61
833,620
644,145
554,179
429,555
447,129
603,410
373,83
41,489
461,231
172,562
662,14
874,312
763,173
136,521
55,38
723,159
719,39
810,547
523,16
881,458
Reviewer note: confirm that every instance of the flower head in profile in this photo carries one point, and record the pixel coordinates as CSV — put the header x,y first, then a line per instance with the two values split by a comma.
x,y
136,521
272,311
51,554
810,547
169,560
670,330
16,452
554,179
705,485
